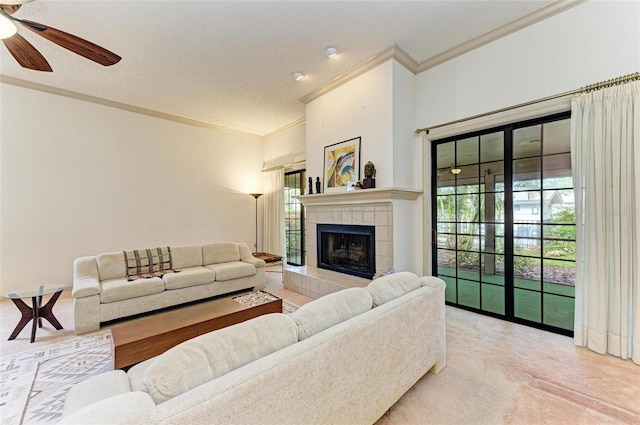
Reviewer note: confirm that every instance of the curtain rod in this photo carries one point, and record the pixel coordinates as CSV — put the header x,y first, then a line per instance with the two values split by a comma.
x,y
264,170
586,89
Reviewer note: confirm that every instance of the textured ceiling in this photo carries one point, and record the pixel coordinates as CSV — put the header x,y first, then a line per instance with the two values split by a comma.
x,y
229,63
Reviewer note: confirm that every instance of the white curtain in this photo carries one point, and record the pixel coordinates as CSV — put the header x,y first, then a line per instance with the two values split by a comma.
x,y
273,229
605,154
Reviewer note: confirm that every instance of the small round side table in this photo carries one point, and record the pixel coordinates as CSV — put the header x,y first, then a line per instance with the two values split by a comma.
x,y
37,311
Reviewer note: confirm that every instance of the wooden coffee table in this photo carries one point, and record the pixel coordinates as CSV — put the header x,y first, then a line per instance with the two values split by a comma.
x,y
140,339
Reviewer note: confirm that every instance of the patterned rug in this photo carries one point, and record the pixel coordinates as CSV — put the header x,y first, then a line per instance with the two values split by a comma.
x,y
35,383
261,297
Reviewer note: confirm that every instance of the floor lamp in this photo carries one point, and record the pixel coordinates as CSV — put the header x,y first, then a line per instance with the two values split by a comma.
x,y
256,195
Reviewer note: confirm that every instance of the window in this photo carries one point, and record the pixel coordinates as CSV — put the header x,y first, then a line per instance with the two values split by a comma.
x,y
294,218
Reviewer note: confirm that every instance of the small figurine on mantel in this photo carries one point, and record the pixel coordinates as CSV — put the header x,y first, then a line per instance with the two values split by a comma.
x,y
318,185
310,185
369,181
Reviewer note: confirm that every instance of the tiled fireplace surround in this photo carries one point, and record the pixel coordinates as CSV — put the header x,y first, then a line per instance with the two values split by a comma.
x,y
366,207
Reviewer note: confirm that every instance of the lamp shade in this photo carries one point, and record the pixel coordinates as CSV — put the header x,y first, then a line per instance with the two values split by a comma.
x,y
256,195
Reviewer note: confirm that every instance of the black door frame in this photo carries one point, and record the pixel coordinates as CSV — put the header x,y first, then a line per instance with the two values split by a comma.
x,y
509,253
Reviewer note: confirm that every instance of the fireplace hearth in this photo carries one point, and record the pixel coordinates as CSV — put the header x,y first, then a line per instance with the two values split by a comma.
x,y
347,249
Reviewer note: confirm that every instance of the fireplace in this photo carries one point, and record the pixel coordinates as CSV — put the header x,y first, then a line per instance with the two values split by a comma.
x,y
347,249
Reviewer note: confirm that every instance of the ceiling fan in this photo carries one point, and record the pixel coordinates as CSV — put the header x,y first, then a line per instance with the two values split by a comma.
x,y
27,55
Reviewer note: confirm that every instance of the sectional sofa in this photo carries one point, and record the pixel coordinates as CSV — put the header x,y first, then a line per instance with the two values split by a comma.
x,y
344,358
114,285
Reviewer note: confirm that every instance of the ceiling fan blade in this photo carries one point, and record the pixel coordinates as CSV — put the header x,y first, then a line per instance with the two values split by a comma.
x,y
77,45
9,8
26,55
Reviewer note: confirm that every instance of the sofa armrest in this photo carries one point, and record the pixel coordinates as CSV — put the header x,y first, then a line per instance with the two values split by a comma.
x,y
86,281
431,281
129,408
247,257
97,388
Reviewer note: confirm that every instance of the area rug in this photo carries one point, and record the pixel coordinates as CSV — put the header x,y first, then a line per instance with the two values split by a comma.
x,y
34,383
288,308
261,297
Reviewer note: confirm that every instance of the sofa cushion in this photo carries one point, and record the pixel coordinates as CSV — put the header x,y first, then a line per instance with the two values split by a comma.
x,y
392,286
232,270
221,252
331,309
122,289
185,256
111,265
216,353
192,276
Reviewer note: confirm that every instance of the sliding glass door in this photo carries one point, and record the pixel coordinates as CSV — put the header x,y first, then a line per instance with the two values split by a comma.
x,y
504,223
470,221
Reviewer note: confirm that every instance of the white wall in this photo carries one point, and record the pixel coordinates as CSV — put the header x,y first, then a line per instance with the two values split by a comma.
x,y
79,178
589,43
362,107
406,157
285,147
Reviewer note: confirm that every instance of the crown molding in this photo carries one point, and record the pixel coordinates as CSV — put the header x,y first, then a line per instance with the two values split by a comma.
x,y
287,127
521,23
393,52
110,103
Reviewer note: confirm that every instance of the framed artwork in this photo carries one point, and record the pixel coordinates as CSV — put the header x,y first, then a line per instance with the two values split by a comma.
x,y
341,165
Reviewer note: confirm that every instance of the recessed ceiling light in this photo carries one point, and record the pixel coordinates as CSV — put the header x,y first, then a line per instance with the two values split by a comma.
x,y
330,51
297,75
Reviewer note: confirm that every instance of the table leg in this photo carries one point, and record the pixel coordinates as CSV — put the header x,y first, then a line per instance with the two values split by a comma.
x,y
27,314
47,311
36,313
39,318
36,307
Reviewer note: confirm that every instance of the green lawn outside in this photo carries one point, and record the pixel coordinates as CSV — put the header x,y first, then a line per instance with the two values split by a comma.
x,y
529,299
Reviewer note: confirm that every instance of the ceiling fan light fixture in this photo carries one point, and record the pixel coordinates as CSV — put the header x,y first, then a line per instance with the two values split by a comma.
x,y
297,75
7,28
331,51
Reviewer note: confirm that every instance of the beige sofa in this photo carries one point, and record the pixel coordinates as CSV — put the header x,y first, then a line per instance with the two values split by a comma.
x,y
102,292
344,358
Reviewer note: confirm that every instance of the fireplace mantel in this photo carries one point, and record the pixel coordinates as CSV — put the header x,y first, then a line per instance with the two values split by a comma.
x,y
360,196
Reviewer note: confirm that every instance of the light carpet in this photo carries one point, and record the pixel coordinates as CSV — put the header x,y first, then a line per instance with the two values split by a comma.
x,y
34,383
